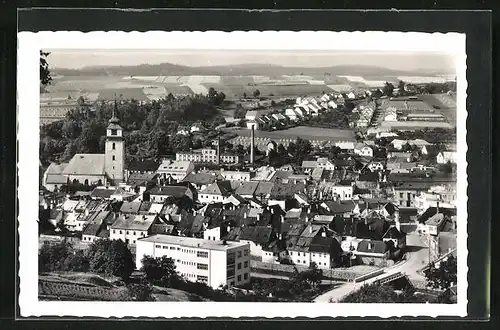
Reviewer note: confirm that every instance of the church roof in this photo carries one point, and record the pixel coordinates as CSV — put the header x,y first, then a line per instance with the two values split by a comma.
x,y
85,164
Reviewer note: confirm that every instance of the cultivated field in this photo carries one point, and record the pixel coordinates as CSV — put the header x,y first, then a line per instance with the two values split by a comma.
x,y
309,133
447,105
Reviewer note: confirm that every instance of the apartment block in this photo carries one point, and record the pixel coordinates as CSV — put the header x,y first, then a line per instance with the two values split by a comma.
x,y
215,263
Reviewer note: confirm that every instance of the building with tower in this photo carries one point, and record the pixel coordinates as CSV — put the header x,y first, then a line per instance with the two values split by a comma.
x,y
93,169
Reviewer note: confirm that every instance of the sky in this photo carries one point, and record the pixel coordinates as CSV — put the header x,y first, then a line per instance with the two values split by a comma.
x,y
76,59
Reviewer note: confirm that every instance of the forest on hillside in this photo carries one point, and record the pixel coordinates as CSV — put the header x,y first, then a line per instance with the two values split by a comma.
x,y
149,128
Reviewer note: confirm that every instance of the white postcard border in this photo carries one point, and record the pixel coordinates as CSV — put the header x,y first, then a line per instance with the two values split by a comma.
x,y
30,43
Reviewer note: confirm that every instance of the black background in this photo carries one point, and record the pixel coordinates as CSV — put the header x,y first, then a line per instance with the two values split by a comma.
x,y
477,26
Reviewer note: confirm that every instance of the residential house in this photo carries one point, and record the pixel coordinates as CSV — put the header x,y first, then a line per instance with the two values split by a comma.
x,y
396,237
162,193
372,252
177,170
446,156
258,237
405,192
142,166
129,228
200,180
95,227
215,192
236,175
363,150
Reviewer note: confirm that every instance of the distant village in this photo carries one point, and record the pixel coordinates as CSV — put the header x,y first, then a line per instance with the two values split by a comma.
x,y
222,216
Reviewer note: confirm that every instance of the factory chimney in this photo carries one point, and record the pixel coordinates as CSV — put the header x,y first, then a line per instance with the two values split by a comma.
x,y
218,150
252,144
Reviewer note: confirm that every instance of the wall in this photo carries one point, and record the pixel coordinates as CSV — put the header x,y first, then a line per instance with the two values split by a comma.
x,y
115,234
115,168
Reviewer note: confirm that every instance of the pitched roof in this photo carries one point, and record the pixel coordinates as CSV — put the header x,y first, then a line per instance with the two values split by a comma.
x,y
56,168
369,246
178,165
95,222
56,179
133,222
216,188
286,190
130,207
258,234
264,188
335,207
86,164
102,192
138,179
393,232
202,178
174,191
324,245
247,188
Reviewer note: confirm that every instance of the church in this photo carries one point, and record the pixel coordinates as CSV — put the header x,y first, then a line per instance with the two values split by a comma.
x,y
92,169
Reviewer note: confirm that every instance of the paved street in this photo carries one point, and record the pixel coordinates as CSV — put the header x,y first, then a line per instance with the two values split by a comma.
x,y
416,257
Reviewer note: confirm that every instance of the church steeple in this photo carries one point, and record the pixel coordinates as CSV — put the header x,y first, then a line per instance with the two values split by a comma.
x,y
114,119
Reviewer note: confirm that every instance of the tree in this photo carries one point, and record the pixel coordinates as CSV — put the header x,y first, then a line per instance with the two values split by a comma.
x,y
45,76
244,95
239,149
376,293
52,256
256,93
443,274
161,271
388,89
111,257
446,168
401,87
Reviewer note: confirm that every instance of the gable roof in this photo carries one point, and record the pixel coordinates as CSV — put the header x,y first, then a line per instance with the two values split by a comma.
x,y
202,178
85,164
393,232
247,188
369,246
102,192
216,188
258,234
286,190
96,222
335,207
264,188
174,191
134,222
138,179
176,165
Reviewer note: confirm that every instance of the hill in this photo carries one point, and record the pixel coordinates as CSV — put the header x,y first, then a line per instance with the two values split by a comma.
x,y
168,69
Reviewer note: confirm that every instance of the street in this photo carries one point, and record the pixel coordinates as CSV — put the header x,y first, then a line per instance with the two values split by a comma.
x,y
416,257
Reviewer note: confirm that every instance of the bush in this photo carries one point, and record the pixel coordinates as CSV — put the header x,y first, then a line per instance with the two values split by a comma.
x,y
140,292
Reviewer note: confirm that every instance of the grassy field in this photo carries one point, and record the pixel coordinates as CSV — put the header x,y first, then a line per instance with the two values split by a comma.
x,y
446,103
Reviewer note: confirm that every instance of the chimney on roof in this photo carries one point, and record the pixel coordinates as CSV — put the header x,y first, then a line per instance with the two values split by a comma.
x,y
323,234
282,218
272,210
245,215
437,208
310,229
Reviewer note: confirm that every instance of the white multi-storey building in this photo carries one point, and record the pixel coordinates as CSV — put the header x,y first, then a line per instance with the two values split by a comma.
x,y
215,263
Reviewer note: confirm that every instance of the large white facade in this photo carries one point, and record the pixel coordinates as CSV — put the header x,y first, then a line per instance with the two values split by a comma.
x,y
213,262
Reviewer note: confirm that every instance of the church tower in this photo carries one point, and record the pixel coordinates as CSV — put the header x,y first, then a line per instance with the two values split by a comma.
x,y
114,151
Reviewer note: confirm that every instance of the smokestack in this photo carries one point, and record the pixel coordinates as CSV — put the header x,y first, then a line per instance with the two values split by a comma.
x,y
437,208
218,150
252,145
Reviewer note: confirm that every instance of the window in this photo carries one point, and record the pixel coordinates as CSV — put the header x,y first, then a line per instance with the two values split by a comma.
x,y
202,254
239,254
246,252
114,231
172,248
164,247
120,231
231,283
113,146
158,246
239,278
245,276
239,265
245,264
133,241
134,233
202,278
113,157
114,132
202,266
127,232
